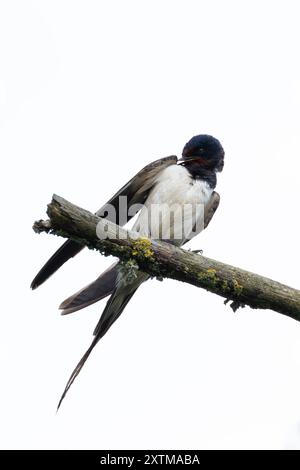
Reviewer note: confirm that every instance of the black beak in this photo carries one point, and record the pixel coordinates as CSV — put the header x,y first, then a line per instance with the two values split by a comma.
x,y
182,160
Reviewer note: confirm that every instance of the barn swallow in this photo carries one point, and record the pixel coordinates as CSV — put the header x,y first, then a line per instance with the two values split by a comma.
x,y
190,180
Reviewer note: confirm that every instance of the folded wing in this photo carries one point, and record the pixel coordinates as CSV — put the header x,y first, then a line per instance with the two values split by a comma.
x,y
136,191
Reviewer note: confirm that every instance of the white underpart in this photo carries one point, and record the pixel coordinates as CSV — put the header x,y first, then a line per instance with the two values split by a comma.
x,y
174,206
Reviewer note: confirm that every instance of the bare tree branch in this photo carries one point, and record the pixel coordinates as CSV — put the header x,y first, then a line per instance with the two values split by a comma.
x,y
160,259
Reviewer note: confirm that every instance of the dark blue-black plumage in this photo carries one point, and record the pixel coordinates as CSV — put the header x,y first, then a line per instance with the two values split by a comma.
x,y
203,156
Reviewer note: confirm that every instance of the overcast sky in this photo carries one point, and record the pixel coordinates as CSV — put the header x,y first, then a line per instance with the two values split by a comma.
x,y
90,92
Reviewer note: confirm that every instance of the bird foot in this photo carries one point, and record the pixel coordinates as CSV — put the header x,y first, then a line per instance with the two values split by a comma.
x,y
235,304
196,251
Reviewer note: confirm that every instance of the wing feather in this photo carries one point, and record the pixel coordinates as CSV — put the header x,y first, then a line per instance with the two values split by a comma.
x,y
136,191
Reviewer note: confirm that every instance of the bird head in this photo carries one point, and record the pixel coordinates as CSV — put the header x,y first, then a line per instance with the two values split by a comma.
x,y
203,151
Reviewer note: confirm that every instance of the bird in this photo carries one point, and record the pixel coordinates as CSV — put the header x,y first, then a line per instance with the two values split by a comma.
x,y
188,181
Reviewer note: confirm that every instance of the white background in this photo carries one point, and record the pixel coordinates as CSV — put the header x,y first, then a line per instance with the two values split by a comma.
x,y
90,92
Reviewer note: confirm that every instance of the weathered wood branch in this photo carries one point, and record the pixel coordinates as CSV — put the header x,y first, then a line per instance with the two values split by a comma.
x,y
160,259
